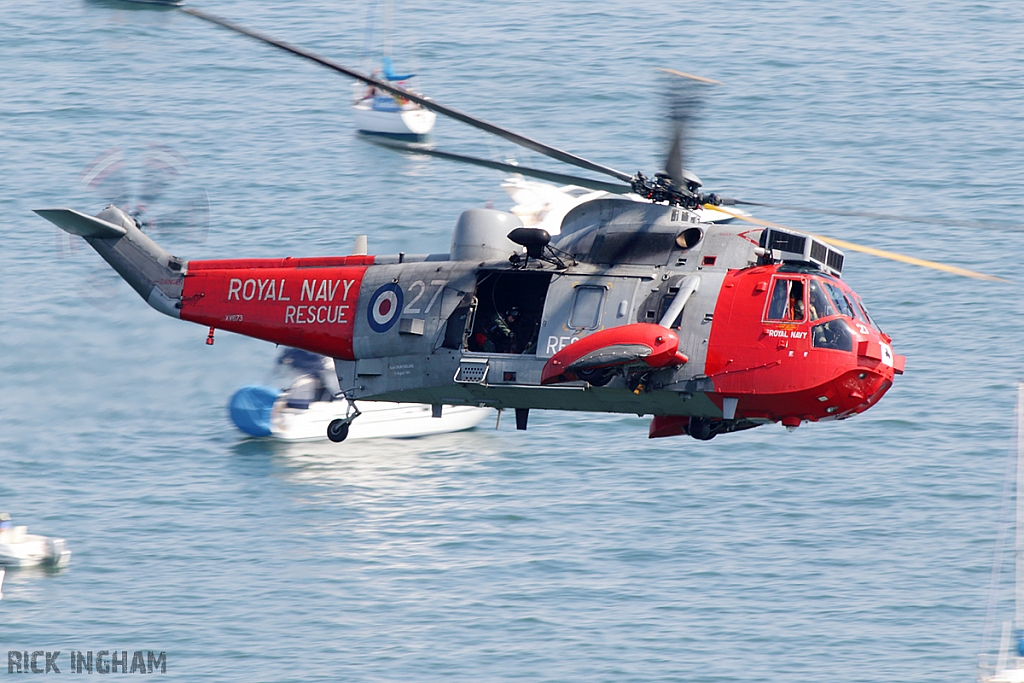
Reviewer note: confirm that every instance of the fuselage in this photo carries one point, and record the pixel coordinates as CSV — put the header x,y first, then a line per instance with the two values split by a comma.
x,y
763,343
709,328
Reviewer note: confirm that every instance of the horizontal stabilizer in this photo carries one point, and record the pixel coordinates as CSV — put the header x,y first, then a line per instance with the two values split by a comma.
x,y
78,223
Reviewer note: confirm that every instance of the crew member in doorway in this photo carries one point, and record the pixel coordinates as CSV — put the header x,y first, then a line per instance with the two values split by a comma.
x,y
501,337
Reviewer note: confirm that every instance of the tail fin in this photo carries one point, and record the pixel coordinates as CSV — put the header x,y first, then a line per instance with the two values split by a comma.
x,y
150,270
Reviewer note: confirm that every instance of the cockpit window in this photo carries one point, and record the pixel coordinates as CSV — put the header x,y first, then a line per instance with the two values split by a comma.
x,y
864,310
787,301
818,303
842,305
834,334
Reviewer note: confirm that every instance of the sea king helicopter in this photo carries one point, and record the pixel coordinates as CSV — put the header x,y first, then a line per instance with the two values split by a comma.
x,y
636,306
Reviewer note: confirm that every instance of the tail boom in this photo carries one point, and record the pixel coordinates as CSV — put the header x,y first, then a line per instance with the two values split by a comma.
x,y
151,271
307,303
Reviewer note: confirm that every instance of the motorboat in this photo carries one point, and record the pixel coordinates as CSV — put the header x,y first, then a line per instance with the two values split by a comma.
x,y
18,548
311,401
1007,664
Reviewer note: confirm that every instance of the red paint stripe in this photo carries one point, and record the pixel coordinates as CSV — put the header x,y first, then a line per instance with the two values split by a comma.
x,y
309,307
287,262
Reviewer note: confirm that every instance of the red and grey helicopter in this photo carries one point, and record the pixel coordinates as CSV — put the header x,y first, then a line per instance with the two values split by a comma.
x,y
634,307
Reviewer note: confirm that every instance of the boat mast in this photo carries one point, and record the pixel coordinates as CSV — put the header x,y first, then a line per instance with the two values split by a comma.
x,y
387,28
1019,519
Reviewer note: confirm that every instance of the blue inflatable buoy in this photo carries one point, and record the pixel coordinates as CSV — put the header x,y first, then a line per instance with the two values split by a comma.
x,y
250,409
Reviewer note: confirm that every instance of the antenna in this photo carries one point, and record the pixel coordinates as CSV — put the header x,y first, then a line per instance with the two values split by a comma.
x,y
1019,520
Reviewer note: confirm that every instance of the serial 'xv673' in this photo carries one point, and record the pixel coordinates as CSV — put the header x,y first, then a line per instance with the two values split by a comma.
x,y
637,305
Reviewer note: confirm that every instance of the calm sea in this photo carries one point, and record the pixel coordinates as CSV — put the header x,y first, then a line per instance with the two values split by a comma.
x,y
578,550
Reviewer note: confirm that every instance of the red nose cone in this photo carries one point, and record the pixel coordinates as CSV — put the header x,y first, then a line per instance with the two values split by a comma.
x,y
799,349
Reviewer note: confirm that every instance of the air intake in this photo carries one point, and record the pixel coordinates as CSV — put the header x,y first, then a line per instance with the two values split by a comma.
x,y
793,247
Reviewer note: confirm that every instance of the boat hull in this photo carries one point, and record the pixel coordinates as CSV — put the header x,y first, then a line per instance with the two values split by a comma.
x,y
19,549
401,123
378,420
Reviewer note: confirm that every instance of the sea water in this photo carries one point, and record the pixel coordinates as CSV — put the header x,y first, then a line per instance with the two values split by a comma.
x,y
579,549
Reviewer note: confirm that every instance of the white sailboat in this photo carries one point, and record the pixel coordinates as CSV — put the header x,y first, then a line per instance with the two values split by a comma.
x,y
382,114
1007,665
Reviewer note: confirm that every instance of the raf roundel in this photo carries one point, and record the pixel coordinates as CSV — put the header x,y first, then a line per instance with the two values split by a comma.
x,y
385,306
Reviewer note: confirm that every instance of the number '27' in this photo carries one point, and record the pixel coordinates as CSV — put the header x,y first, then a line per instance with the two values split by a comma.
x,y
422,288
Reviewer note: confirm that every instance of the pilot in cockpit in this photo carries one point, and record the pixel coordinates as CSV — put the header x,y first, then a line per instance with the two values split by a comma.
x,y
796,300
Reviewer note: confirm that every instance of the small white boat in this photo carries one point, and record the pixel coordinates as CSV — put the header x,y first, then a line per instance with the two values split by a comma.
x,y
382,114
1007,665
303,410
392,117
379,113
18,548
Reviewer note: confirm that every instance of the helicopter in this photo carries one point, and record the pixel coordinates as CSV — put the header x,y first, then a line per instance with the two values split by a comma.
x,y
638,305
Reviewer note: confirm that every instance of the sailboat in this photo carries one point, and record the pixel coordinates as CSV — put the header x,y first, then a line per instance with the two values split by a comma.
x,y
1007,666
382,114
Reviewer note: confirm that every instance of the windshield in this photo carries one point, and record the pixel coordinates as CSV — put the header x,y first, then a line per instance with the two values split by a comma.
x,y
839,299
864,310
834,334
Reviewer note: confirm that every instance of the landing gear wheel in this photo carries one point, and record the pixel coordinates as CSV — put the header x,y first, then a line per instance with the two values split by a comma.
x,y
701,429
337,431
597,377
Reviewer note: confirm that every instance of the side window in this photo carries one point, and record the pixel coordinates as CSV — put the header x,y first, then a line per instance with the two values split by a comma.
x,y
787,301
586,307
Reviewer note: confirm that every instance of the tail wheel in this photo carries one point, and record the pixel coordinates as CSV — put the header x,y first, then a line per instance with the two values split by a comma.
x,y
337,431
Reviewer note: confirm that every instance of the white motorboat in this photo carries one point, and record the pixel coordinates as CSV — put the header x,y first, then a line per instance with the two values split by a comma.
x,y
303,410
292,420
18,548
1007,665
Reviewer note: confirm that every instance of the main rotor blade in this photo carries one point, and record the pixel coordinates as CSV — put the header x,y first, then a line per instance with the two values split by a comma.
x,y
560,178
674,161
425,102
683,100
881,253
683,74
924,220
